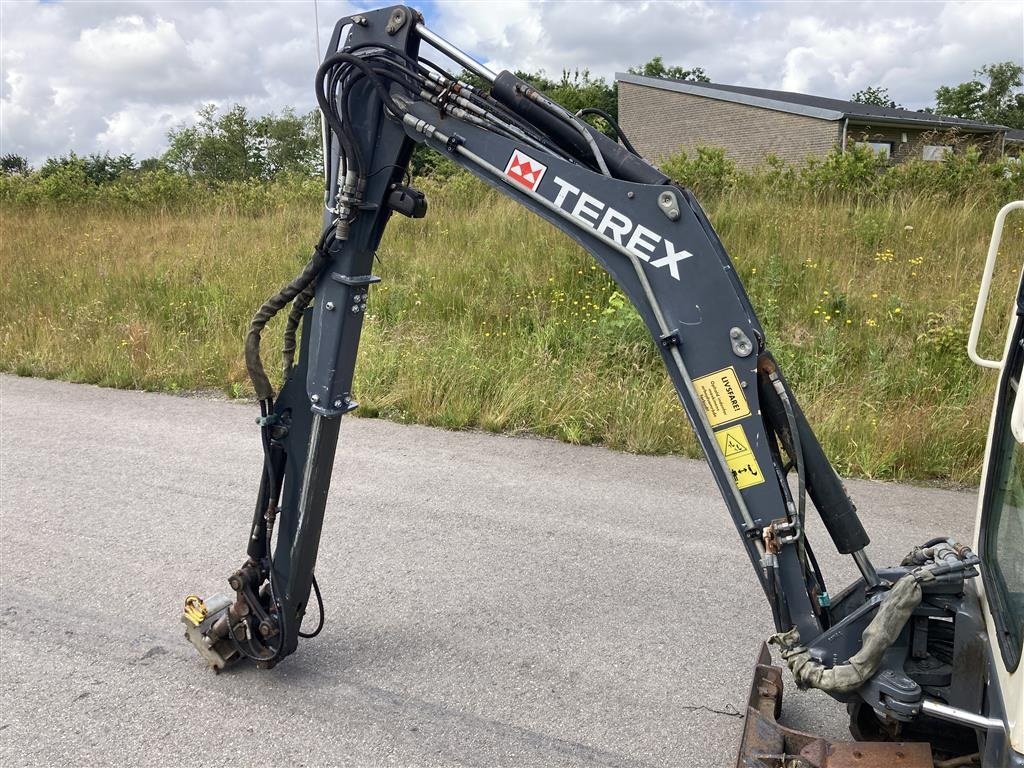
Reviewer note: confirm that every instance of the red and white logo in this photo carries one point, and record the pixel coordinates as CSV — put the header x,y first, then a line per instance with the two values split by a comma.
x,y
525,170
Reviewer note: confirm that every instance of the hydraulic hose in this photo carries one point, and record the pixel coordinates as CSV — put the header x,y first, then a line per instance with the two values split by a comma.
x,y
273,305
876,639
613,123
294,318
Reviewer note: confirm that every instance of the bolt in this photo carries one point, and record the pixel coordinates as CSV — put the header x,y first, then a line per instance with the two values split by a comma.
x,y
338,403
631,194
315,398
355,309
329,306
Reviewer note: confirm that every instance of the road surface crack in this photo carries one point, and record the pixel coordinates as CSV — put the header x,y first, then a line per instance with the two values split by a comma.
x,y
730,711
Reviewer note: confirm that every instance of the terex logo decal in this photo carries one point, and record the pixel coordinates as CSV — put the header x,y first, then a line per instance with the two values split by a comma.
x,y
637,239
525,170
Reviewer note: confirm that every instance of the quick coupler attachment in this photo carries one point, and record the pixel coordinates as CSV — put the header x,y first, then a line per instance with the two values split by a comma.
x,y
206,627
224,629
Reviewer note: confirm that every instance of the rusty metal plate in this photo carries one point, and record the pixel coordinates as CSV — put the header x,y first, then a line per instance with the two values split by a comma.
x,y
767,744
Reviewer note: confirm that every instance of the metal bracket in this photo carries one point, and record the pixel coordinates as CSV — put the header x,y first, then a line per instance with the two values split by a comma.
x,y
890,692
670,340
354,282
668,204
397,21
741,344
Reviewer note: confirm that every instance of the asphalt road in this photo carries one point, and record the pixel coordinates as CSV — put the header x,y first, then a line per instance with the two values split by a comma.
x,y
490,601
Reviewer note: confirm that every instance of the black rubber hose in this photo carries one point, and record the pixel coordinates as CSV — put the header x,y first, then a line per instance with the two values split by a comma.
x,y
273,305
351,150
320,608
356,61
613,123
294,318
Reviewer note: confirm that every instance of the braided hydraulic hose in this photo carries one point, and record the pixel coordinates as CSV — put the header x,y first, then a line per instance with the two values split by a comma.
x,y
294,318
273,305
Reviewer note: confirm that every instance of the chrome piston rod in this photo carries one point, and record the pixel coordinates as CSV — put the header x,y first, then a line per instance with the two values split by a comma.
x,y
455,54
957,715
867,570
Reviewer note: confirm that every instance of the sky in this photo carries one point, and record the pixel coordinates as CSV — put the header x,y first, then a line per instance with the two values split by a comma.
x,y
116,76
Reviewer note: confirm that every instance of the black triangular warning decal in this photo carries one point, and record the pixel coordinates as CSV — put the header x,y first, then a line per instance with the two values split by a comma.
x,y
733,446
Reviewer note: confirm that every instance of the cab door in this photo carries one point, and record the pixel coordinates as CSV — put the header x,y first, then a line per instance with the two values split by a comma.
x,y
999,534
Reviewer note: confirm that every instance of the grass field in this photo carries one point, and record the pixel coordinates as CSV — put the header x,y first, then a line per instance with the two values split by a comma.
x,y
489,318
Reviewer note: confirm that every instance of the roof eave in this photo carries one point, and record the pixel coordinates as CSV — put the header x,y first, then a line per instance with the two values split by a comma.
x,y
735,98
800,109
909,122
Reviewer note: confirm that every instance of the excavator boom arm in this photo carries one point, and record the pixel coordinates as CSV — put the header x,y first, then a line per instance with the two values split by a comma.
x,y
380,98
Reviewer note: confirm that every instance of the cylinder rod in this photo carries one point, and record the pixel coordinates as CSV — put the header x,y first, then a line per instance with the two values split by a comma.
x,y
455,54
956,715
867,570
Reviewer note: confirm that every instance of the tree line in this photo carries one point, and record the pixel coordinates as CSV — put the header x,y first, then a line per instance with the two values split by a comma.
x,y
993,96
234,146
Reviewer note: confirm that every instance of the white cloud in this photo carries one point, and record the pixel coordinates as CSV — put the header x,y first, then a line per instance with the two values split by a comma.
x,y
114,76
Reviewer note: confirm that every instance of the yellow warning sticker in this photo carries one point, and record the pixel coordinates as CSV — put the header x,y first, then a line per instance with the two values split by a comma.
x,y
741,460
722,397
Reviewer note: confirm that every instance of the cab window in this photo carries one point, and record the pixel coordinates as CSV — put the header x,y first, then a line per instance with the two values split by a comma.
x,y
1002,539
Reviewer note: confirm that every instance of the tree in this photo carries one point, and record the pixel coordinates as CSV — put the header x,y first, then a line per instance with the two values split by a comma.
x,y
997,101
656,68
576,90
13,165
290,143
220,147
150,164
54,165
875,94
101,169
234,147
96,168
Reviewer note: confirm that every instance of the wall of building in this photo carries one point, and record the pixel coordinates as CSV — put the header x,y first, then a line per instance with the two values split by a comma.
x,y
909,143
660,122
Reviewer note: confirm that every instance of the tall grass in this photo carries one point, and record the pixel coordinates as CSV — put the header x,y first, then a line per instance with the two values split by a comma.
x,y
488,317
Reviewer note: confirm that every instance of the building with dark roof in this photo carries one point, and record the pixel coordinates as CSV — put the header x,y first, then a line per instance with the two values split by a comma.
x,y
662,116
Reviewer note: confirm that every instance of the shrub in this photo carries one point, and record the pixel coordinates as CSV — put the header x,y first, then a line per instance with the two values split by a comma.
x,y
707,173
857,175
857,170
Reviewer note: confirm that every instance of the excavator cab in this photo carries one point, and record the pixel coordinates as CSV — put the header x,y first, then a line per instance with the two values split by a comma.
x,y
999,532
